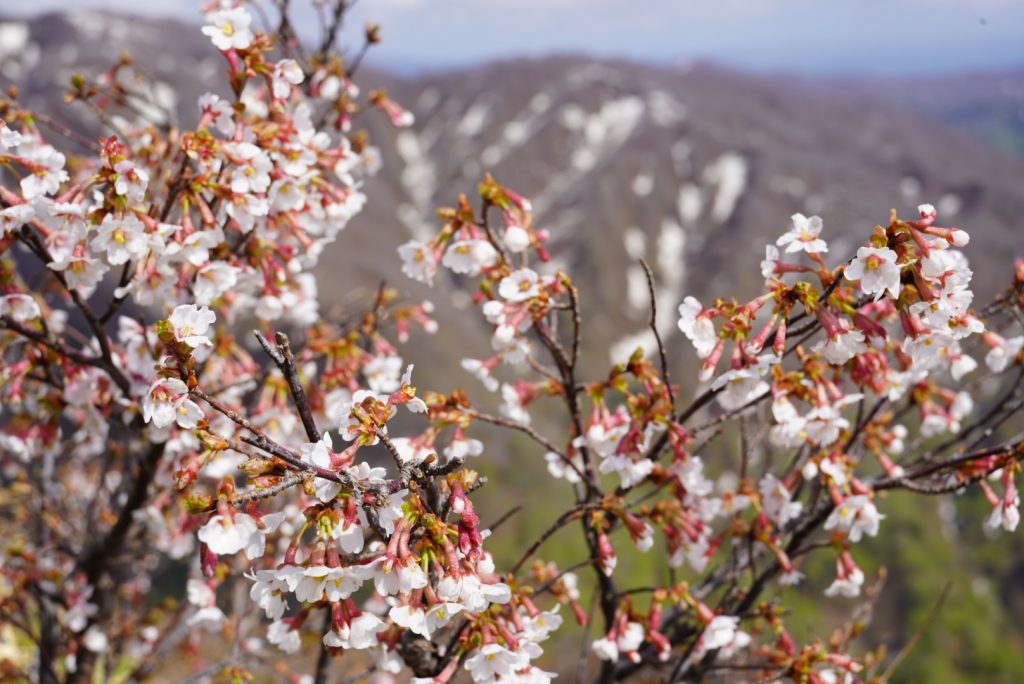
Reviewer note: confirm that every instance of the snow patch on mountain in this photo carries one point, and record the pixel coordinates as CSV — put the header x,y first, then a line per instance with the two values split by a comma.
x,y
474,120
665,109
729,174
670,280
689,203
598,136
418,181
18,54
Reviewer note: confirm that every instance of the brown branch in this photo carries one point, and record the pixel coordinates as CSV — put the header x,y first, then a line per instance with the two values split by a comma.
x,y
331,35
260,440
562,573
728,415
932,614
353,67
95,559
116,302
54,345
563,520
504,518
513,425
324,660
275,449
403,467
526,429
68,133
577,323
106,359
256,494
282,356
1011,448
1016,387
485,223
653,324
540,368
697,404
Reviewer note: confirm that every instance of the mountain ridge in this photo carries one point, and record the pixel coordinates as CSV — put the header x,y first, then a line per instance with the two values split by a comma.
x,y
693,167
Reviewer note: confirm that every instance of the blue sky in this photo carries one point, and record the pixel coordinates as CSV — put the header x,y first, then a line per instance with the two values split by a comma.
x,y
803,36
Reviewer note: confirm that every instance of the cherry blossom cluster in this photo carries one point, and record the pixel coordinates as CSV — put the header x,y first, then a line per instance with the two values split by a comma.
x,y
890,325
157,248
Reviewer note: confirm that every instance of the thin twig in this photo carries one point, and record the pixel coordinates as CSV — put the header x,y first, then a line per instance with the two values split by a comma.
x,y
887,675
662,356
324,660
563,520
282,356
504,518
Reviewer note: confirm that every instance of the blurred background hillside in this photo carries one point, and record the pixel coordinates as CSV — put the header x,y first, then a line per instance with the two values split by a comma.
x,y
687,141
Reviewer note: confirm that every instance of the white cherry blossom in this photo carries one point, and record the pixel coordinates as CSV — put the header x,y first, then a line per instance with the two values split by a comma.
x,y
48,174
1003,353
19,307
418,261
856,516
697,327
191,324
228,29
876,270
167,401
120,239
842,347
722,633
131,181
360,634
287,73
469,257
281,634
14,217
491,662
848,586
213,280
520,285
777,501
803,236
1005,515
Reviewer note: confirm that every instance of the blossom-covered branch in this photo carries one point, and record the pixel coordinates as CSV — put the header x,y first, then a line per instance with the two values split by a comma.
x,y
309,478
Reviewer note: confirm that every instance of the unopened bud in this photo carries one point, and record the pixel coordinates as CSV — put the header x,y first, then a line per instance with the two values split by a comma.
x,y
960,237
